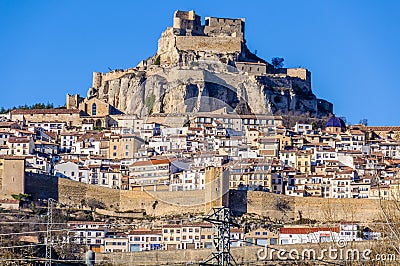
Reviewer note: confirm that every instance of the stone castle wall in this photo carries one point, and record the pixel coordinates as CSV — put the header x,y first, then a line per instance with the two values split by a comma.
x,y
224,27
100,78
209,44
319,209
261,203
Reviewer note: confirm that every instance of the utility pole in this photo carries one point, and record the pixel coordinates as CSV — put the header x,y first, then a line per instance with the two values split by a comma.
x,y
220,218
49,240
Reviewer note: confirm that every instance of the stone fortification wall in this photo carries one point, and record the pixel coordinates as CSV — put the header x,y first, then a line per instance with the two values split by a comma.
x,y
100,78
300,73
319,209
72,193
209,44
224,27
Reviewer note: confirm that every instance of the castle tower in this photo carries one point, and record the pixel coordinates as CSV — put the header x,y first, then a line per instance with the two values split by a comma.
x,y
12,174
216,188
187,22
97,79
72,101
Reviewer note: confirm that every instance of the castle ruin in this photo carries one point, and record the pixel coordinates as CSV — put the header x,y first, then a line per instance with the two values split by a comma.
x,y
185,45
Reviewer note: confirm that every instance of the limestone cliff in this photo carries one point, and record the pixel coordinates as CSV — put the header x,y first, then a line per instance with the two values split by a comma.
x,y
205,68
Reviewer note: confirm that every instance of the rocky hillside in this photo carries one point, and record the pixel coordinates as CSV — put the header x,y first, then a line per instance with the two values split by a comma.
x,y
202,68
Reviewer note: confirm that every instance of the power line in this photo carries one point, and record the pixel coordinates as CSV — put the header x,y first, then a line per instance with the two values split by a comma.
x,y
23,246
34,232
10,222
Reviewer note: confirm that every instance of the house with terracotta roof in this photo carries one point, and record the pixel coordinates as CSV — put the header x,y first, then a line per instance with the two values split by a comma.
x,y
237,237
302,128
37,164
89,143
68,116
144,239
171,236
116,242
302,235
261,236
68,140
191,179
9,204
4,135
55,127
87,233
9,125
154,172
20,146
46,148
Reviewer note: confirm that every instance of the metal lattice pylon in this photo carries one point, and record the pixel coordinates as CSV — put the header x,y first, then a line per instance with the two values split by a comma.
x,y
49,240
220,218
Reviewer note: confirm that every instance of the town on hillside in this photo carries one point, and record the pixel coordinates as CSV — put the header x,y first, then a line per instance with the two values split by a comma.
x,y
255,153
140,162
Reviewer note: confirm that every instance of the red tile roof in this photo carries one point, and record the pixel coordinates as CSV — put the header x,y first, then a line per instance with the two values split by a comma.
x,y
45,111
307,230
151,162
86,222
145,231
18,140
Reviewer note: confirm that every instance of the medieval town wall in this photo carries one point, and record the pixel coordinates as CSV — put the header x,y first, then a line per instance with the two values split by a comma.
x,y
261,203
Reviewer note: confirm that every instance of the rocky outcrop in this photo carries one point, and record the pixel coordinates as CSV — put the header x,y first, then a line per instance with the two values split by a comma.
x,y
194,70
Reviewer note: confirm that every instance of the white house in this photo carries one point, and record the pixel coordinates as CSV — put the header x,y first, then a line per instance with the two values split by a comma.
x,y
72,170
300,235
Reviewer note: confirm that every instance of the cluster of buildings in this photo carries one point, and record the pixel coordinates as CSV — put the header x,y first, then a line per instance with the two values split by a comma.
x,y
99,146
101,238
168,237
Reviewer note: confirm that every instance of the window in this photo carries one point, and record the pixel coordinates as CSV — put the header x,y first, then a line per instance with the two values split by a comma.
x,y
94,109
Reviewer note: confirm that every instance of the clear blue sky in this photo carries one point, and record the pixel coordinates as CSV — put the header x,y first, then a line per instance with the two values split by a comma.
x,y
50,48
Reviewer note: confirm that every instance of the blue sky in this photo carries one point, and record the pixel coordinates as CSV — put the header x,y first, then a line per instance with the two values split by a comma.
x,y
50,48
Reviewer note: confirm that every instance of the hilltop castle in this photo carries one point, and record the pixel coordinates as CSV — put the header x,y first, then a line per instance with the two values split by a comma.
x,y
195,60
